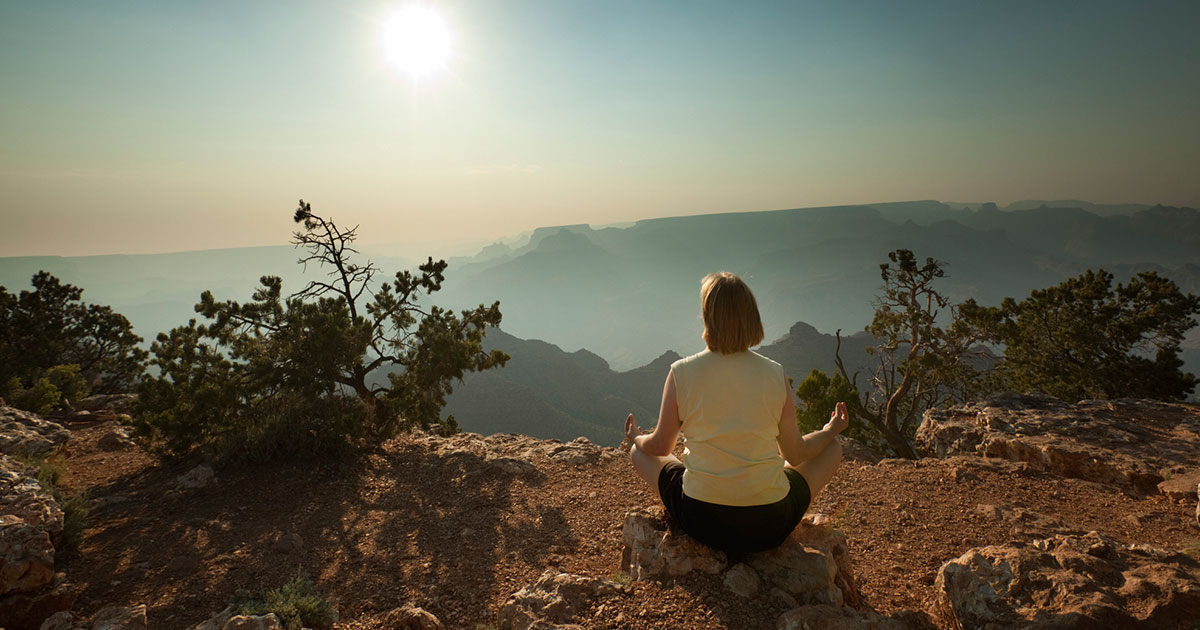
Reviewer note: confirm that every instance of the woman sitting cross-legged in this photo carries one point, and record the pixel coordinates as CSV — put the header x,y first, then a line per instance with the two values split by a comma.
x,y
747,474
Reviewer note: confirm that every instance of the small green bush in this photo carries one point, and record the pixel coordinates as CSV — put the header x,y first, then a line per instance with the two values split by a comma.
x,y
51,471
297,604
75,512
47,391
40,397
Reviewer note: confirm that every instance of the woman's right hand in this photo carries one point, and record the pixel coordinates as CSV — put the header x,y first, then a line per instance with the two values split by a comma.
x,y
632,430
839,420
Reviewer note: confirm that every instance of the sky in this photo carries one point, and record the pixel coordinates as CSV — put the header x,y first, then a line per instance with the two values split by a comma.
x,y
136,127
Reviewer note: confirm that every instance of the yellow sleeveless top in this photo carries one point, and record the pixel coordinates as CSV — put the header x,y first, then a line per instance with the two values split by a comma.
x,y
729,405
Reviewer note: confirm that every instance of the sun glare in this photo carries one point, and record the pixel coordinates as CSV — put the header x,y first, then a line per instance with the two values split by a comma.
x,y
416,41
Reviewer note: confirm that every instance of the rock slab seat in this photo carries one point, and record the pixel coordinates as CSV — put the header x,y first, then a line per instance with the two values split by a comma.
x,y
811,567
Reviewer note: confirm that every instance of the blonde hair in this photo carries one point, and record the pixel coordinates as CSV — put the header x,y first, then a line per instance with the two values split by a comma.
x,y
731,320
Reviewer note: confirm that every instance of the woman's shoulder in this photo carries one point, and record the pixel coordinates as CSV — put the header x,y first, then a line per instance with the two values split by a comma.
x,y
767,363
766,360
690,360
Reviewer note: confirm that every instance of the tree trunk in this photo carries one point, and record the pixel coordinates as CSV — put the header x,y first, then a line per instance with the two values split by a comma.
x,y
899,443
894,438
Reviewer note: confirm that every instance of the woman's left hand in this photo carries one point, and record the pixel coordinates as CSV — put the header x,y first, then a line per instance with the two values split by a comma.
x,y
839,420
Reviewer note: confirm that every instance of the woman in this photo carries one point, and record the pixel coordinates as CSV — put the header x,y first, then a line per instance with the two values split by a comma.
x,y
747,475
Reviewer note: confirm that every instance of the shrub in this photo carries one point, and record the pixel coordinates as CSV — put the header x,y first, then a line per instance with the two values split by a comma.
x,y
297,604
294,376
1084,339
48,390
52,326
41,397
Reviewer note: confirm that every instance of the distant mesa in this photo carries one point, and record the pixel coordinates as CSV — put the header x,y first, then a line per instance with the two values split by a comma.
x,y
563,240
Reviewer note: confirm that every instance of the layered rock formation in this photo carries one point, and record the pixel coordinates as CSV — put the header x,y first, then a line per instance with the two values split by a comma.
x,y
514,454
31,524
134,618
28,434
1064,581
1127,443
1054,575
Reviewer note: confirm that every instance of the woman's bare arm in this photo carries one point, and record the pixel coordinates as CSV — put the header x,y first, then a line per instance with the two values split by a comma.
x,y
662,441
798,448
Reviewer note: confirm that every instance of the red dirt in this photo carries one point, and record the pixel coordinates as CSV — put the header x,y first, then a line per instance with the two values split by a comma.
x,y
403,526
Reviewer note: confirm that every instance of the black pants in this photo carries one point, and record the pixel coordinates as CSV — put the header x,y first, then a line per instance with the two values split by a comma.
x,y
734,528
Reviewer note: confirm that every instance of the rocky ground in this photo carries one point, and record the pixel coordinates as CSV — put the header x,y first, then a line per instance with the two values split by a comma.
x,y
458,526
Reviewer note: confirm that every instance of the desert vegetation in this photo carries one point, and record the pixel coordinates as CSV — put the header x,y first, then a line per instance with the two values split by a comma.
x,y
56,347
1080,339
288,376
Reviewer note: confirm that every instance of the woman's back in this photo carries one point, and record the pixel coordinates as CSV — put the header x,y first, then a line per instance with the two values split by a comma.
x,y
729,408
733,490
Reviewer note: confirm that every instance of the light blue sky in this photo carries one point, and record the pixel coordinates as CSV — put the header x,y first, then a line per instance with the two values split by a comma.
x,y
159,126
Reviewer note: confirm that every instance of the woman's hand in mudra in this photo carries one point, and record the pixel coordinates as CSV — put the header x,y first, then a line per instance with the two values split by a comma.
x,y
838,420
632,430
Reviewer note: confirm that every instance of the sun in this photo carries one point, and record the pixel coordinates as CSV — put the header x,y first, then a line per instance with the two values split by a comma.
x,y
416,41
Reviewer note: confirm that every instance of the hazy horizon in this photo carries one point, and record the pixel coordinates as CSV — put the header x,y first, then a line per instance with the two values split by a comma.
x,y
176,126
374,244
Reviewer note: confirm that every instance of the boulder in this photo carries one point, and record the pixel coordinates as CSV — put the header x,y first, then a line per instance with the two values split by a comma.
x,y
61,620
217,621
23,497
411,618
26,433
511,453
826,617
512,466
817,531
742,580
553,601
30,524
806,573
1026,524
115,438
811,566
201,476
253,622
1067,581
290,543
1181,487
652,548
107,404
578,452
121,618
27,611
26,556
1121,442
